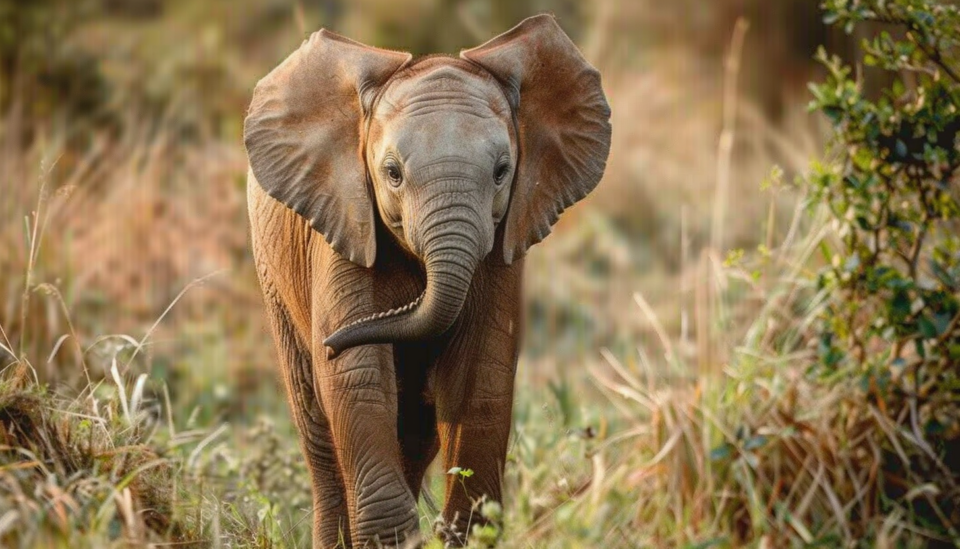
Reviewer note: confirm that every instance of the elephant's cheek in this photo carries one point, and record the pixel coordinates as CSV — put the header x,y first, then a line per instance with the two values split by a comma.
x,y
488,239
411,234
500,202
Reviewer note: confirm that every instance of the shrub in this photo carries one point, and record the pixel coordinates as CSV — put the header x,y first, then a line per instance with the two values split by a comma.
x,y
891,320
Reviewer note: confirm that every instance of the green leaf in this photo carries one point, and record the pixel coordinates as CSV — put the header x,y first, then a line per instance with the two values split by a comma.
x,y
901,149
927,328
941,322
722,452
755,442
900,305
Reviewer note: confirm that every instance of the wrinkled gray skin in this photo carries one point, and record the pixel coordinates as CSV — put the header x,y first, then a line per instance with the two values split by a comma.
x,y
391,202
442,152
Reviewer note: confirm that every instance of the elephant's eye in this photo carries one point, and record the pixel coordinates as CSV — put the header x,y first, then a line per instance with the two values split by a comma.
x,y
393,173
501,173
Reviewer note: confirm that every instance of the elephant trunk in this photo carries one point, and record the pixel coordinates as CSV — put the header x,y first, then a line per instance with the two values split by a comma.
x,y
450,259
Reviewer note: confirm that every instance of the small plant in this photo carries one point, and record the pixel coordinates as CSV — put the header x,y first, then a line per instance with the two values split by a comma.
x,y
462,475
483,533
891,320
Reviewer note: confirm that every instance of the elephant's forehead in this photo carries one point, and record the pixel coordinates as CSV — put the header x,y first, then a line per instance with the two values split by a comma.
x,y
444,85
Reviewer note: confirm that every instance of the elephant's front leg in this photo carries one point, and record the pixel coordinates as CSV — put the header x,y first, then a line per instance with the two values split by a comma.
x,y
329,505
358,391
474,395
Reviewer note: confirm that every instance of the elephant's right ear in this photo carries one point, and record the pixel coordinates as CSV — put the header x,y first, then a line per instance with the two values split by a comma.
x,y
303,137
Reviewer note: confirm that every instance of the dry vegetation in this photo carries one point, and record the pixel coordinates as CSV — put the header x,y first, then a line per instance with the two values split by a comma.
x,y
662,397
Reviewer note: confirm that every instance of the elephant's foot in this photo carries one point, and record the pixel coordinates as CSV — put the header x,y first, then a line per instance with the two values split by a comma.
x,y
390,521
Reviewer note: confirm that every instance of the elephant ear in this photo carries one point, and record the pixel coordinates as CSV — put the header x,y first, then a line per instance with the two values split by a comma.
x,y
303,137
563,123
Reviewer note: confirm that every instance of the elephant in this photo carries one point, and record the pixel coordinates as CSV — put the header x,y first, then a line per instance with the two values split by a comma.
x,y
391,203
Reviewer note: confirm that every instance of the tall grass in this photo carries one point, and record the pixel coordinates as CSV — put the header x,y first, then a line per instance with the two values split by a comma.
x,y
662,398
740,446
94,451
120,359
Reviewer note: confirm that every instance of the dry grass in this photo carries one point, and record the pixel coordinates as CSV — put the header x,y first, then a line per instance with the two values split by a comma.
x,y
84,469
745,448
113,234
113,467
662,399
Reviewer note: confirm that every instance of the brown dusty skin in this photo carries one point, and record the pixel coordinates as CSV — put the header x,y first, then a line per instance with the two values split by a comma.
x,y
471,161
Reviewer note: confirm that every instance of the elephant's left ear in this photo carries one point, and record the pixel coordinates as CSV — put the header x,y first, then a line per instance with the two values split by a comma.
x,y
563,123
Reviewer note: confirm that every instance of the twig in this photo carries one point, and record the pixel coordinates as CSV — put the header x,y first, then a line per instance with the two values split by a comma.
x,y
950,329
933,54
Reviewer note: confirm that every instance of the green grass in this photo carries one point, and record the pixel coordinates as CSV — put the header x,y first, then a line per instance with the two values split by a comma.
x,y
662,398
165,445
715,437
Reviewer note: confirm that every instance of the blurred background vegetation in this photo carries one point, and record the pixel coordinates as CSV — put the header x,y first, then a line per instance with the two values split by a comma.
x,y
122,175
136,107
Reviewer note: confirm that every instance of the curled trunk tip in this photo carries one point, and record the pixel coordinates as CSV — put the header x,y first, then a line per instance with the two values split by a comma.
x,y
431,314
340,340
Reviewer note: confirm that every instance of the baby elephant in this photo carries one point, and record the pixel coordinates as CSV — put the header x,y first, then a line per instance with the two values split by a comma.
x,y
392,201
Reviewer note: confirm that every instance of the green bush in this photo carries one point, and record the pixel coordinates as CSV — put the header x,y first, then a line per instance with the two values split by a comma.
x,y
891,284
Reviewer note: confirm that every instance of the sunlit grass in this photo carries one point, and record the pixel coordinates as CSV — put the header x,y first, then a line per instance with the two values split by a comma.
x,y
650,447
662,399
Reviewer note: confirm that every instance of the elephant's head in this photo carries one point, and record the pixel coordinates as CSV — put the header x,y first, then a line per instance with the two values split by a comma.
x,y
447,152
